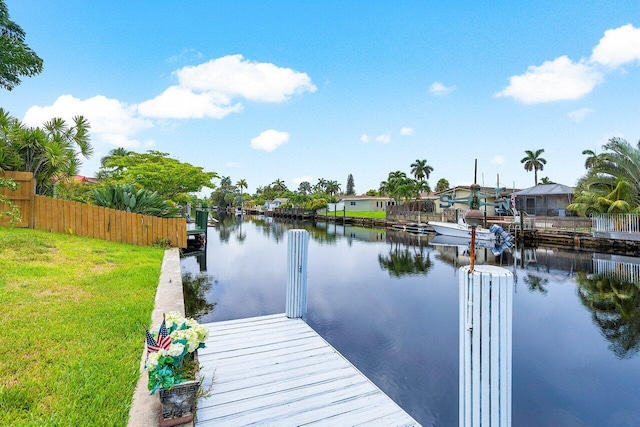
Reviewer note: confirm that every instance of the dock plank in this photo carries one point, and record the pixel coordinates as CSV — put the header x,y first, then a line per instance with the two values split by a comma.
x,y
276,371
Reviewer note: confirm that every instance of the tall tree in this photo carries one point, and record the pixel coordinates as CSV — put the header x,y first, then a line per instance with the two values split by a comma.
x,y
442,185
156,171
304,188
16,57
280,186
421,170
333,188
350,186
533,162
241,185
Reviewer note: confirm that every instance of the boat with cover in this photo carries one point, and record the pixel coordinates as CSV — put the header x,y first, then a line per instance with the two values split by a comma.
x,y
461,229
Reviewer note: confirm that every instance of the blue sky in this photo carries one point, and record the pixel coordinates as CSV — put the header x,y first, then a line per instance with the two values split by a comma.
x,y
266,90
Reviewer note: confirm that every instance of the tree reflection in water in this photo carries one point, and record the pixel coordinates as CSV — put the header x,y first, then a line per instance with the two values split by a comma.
x,y
615,308
536,283
195,288
403,262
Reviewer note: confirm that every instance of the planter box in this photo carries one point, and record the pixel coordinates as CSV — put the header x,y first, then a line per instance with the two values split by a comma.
x,y
178,403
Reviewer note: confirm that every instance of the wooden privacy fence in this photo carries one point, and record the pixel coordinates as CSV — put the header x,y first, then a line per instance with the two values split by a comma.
x,y
65,216
22,198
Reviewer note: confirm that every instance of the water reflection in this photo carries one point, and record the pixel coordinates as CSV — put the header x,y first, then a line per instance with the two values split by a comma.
x,y
615,309
195,288
388,301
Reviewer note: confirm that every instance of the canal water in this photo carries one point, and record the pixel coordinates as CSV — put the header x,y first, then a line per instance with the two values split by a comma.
x,y
388,301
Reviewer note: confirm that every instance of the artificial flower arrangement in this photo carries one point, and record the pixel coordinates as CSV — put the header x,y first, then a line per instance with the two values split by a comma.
x,y
170,351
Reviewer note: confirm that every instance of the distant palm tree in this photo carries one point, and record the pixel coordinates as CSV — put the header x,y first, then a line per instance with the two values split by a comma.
x,y
241,184
533,162
279,186
304,188
591,159
421,170
116,152
333,187
546,180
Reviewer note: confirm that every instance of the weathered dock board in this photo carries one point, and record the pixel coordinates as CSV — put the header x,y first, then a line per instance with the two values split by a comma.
x,y
277,371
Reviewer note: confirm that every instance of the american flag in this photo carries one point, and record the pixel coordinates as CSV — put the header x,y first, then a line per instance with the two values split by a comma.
x,y
164,340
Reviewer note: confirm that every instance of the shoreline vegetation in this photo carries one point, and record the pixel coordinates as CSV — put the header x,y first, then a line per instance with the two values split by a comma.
x,y
74,309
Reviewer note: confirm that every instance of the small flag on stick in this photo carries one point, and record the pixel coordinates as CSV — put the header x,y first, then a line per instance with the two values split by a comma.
x,y
163,341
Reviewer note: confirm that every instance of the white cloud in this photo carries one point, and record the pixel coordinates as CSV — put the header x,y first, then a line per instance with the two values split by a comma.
x,y
181,103
365,138
560,79
407,131
112,122
437,88
578,115
269,140
256,81
385,138
618,46
300,179
498,160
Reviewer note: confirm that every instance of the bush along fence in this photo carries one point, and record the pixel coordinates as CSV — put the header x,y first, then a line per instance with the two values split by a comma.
x,y
65,216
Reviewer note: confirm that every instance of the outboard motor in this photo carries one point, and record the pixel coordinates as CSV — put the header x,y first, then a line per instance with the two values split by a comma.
x,y
498,231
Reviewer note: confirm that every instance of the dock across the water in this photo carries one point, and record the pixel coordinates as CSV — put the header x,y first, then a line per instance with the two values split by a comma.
x,y
277,371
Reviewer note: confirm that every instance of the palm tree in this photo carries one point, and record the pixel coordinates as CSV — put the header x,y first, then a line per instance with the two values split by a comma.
x,y
442,185
304,188
321,186
591,159
241,184
533,162
333,188
116,152
612,184
50,153
421,170
546,180
279,186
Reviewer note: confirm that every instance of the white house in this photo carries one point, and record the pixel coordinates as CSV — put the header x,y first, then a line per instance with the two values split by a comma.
x,y
366,203
270,205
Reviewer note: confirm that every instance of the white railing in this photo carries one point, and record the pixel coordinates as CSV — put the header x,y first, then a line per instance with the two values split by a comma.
x,y
623,223
617,269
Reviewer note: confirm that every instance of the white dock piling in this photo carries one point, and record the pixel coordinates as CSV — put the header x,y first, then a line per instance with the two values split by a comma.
x,y
486,304
297,254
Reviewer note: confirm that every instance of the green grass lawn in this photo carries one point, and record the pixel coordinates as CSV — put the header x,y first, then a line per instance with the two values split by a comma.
x,y
72,325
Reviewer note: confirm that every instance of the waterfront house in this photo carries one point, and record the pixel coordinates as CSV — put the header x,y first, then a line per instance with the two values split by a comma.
x,y
366,203
544,199
270,205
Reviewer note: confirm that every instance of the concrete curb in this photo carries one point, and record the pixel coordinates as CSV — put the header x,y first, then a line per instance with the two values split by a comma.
x,y
145,409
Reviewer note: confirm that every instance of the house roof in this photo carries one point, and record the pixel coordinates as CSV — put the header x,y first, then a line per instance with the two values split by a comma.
x,y
545,190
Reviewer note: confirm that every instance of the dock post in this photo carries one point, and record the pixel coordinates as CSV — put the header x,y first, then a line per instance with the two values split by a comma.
x,y
297,254
486,305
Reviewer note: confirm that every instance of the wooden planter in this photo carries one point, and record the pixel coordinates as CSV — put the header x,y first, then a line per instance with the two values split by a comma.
x,y
178,403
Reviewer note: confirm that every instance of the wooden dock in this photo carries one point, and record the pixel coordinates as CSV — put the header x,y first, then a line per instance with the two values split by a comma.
x,y
277,371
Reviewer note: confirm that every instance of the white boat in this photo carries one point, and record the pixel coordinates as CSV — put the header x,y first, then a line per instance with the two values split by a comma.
x,y
413,227
461,229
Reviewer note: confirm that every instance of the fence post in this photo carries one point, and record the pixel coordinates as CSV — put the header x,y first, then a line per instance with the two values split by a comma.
x,y
485,301
297,254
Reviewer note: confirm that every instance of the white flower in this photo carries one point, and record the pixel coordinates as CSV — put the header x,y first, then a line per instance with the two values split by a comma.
x,y
175,350
152,361
174,318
